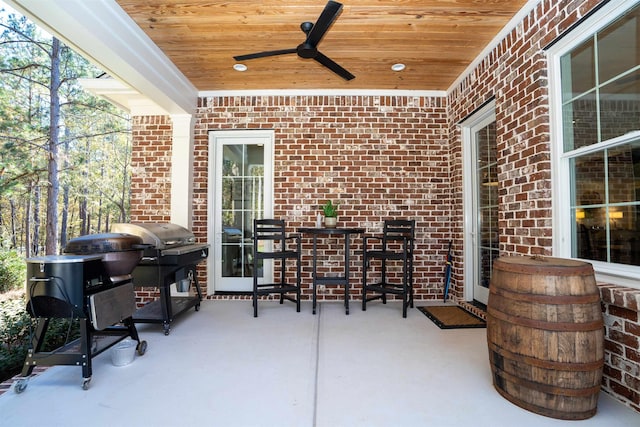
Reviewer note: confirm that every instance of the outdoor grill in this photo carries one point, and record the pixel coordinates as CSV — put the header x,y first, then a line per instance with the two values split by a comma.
x,y
171,258
91,282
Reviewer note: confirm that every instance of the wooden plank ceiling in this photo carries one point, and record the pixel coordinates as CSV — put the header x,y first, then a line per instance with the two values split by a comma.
x,y
435,39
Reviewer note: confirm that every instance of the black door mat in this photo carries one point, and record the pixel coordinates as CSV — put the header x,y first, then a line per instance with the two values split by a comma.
x,y
452,317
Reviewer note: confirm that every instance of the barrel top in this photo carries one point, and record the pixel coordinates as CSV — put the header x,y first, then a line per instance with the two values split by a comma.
x,y
545,265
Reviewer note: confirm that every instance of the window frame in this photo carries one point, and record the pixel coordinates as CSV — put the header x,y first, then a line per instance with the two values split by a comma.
x,y
626,275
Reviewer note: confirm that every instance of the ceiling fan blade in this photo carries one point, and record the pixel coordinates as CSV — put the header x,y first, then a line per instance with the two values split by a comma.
x,y
264,54
328,15
333,66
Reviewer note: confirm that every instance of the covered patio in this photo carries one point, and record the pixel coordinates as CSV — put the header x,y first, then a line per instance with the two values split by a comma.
x,y
220,366
381,152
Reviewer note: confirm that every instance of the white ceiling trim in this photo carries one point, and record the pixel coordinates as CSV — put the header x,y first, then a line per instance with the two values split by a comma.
x,y
102,32
324,92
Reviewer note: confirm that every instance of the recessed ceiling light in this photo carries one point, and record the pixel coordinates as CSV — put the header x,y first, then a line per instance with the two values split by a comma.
x,y
240,67
398,67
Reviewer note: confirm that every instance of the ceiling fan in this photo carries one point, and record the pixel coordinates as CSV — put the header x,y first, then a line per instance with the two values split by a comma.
x,y
309,48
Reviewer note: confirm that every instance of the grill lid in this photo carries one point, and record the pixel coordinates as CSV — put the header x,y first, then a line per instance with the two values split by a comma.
x,y
103,243
160,235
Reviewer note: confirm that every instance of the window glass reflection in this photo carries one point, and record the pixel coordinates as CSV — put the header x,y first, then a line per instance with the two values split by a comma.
x,y
581,122
620,106
624,240
623,166
618,46
589,179
578,71
602,103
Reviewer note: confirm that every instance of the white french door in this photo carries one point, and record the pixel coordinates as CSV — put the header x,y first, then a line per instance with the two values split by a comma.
x,y
241,189
481,203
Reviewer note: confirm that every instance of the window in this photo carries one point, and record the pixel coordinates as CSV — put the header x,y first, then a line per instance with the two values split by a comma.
x,y
597,117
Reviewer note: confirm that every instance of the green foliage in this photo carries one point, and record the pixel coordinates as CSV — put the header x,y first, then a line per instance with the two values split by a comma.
x,y
13,271
15,324
16,329
93,148
330,210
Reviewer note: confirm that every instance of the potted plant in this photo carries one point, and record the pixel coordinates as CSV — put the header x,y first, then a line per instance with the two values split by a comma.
x,y
330,214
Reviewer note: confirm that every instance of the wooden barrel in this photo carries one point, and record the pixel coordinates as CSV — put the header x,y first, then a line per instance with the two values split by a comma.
x,y
546,335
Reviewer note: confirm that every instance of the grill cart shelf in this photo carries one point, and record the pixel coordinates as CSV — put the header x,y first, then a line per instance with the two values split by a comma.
x,y
172,257
167,307
77,353
75,287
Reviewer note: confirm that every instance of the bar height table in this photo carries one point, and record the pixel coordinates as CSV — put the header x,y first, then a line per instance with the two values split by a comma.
x,y
339,280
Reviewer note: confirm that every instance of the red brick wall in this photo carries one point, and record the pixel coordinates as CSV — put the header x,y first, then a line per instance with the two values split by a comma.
x,y
151,169
378,157
152,137
622,343
515,73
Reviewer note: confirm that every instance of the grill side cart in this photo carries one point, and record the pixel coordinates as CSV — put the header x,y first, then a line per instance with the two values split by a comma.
x,y
172,257
77,288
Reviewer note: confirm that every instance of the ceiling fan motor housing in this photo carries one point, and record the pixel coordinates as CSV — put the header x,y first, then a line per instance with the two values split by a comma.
x,y
305,50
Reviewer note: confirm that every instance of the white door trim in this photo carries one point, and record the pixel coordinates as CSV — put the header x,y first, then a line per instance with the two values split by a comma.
x,y
266,137
469,184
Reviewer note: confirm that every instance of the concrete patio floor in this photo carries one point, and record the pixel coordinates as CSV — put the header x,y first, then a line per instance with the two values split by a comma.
x,y
220,366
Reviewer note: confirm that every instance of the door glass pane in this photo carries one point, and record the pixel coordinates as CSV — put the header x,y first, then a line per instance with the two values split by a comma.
x,y
242,193
486,146
487,256
487,196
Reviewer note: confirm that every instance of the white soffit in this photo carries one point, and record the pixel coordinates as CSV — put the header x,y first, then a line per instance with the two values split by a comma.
x,y
128,99
102,32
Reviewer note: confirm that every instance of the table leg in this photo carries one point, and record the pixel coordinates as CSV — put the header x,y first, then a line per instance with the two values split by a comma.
x,y
314,272
346,272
